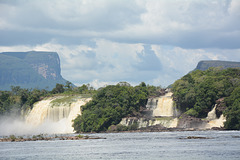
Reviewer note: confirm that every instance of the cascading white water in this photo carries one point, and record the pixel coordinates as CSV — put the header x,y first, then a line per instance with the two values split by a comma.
x,y
165,114
55,118
168,122
39,112
213,120
152,103
57,113
163,110
217,122
212,114
164,107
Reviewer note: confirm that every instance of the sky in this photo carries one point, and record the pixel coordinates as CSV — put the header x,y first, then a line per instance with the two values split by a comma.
x,y
108,41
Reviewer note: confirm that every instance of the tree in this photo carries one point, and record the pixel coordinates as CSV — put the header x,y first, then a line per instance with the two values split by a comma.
x,y
15,89
232,112
233,116
197,92
124,84
109,106
68,86
83,89
58,89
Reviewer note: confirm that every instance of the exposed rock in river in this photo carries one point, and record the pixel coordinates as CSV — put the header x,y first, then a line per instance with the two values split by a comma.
x,y
42,137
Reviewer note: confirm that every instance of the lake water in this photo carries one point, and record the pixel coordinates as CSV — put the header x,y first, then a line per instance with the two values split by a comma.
x,y
222,145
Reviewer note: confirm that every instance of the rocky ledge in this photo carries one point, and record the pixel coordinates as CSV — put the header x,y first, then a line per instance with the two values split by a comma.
x,y
195,137
41,137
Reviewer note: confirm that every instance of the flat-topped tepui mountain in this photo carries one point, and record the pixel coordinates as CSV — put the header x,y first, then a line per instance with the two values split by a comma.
x,y
32,69
204,65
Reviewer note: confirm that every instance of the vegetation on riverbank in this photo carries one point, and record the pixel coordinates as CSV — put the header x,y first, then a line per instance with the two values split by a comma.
x,y
19,99
110,105
197,92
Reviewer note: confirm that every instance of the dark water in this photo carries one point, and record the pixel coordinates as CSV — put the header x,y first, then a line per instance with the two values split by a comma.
x,y
222,145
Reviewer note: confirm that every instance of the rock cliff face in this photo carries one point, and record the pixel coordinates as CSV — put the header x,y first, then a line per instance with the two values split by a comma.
x,y
204,65
30,70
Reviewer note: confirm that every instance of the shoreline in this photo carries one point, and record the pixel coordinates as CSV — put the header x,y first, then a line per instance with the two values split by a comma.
x,y
46,137
159,130
41,137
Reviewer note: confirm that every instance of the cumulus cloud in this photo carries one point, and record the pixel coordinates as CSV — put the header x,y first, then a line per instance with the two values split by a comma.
x,y
111,62
191,24
57,19
188,24
106,41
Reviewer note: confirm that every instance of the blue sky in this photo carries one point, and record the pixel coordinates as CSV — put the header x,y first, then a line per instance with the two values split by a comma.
x,y
107,41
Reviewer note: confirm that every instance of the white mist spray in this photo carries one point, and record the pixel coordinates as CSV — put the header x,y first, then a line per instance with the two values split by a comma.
x,y
44,118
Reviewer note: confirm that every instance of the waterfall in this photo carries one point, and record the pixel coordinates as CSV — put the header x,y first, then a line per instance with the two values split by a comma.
x,y
213,120
163,113
168,122
164,107
212,114
152,103
218,122
49,117
39,112
57,113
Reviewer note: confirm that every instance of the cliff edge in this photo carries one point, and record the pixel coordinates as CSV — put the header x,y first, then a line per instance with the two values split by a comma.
x,y
204,65
32,69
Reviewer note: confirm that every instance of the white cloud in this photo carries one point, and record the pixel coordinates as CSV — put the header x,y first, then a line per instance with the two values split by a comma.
x,y
183,60
110,62
97,83
73,15
120,40
183,23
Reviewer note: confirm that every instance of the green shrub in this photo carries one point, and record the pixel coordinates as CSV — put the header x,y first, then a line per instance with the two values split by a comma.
x,y
192,112
12,137
109,106
197,92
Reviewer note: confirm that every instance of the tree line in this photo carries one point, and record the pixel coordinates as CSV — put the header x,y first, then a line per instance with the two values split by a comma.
x,y
197,92
109,105
19,99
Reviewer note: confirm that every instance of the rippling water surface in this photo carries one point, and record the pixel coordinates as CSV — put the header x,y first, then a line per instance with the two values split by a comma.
x,y
222,145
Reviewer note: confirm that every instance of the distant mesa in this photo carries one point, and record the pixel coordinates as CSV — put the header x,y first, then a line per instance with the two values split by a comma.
x,y
32,69
204,65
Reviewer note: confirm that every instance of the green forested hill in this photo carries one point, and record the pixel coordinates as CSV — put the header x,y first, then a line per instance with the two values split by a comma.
x,y
197,92
30,70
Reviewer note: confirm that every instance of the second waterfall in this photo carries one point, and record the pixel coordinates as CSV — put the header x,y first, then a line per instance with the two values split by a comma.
x,y
162,106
